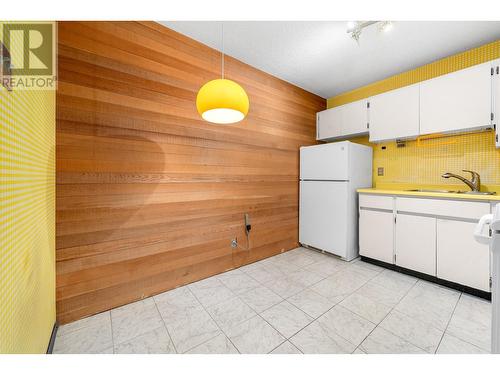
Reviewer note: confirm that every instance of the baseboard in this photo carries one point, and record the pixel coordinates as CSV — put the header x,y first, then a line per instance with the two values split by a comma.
x,y
52,341
423,276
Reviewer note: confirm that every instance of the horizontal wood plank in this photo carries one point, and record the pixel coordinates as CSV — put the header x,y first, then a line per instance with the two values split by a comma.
x,y
149,196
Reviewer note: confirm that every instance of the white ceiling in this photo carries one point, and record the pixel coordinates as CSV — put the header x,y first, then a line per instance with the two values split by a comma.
x,y
320,56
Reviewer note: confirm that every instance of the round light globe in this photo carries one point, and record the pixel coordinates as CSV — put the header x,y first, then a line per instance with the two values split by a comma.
x,y
222,101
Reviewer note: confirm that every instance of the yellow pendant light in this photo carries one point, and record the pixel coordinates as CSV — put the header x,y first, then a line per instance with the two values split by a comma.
x,y
222,101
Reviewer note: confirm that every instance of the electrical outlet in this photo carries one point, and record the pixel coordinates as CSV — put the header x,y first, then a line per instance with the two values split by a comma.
x,y
380,171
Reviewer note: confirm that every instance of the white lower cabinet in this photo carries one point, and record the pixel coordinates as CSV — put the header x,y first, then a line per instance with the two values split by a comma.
x,y
459,257
376,234
416,243
430,236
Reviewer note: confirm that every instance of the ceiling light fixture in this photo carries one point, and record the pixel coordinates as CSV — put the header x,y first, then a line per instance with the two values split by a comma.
x,y
354,28
222,101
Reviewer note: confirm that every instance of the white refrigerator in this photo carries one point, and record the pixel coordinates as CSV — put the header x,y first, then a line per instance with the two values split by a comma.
x,y
328,210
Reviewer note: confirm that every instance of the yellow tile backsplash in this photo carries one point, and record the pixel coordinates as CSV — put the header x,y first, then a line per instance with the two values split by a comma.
x,y
421,165
416,166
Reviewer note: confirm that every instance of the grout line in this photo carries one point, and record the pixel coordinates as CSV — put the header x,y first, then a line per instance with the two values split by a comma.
x,y
274,304
286,340
204,342
291,343
215,321
264,319
447,324
418,320
112,334
257,313
336,304
165,325
149,330
467,342
392,309
282,335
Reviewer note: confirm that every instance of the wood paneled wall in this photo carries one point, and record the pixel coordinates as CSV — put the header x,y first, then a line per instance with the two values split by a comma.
x,y
149,196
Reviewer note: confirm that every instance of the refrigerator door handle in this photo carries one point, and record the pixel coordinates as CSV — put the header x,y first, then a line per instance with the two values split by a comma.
x,y
479,230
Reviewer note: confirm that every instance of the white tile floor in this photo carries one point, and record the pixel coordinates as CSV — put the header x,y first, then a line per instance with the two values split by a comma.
x,y
301,301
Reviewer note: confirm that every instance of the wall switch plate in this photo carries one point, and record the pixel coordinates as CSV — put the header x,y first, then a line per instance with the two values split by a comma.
x,y
380,171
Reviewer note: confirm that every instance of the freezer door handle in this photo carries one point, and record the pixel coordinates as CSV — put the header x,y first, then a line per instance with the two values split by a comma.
x,y
479,230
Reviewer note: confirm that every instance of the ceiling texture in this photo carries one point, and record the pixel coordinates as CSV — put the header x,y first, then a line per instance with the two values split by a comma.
x,y
323,59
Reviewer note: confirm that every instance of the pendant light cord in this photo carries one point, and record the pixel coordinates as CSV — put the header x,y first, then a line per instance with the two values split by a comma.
x,y
222,50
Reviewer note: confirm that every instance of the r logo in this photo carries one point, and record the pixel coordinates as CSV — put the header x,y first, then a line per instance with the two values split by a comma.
x,y
31,48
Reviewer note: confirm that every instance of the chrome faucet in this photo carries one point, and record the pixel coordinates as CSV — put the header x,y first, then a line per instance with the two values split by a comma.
x,y
474,183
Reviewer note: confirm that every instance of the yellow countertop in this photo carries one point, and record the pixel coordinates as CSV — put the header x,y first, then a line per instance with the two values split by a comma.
x,y
469,197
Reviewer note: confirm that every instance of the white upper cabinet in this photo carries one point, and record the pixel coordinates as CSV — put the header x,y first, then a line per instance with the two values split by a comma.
x,y
329,123
342,121
496,100
456,101
463,100
355,118
394,114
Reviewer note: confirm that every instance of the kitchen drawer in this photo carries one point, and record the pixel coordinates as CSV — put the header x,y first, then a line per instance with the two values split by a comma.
x,y
376,201
441,207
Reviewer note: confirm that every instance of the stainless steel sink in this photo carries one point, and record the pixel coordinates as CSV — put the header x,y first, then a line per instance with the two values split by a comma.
x,y
477,192
432,191
452,191
474,184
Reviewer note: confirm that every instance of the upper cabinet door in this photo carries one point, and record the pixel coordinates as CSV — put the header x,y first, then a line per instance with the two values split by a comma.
x,y
394,114
456,101
343,121
329,123
355,118
496,100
